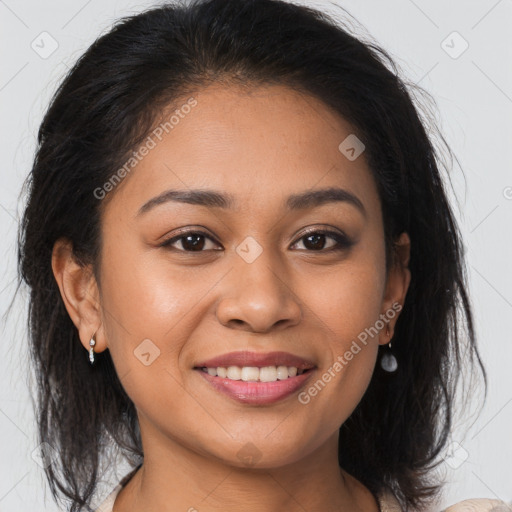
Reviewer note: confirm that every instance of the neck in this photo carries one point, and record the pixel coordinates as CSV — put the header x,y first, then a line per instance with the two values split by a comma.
x,y
174,477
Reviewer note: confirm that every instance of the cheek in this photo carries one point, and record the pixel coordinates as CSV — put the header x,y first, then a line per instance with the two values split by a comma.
x,y
145,292
347,300
345,317
346,305
145,300
149,314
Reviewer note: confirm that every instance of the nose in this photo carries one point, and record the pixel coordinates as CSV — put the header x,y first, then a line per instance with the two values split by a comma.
x,y
258,297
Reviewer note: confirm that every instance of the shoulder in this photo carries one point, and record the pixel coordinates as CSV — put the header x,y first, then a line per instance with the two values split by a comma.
x,y
389,503
480,505
108,504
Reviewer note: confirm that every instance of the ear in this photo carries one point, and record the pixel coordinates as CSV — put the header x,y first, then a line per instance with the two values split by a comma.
x,y
397,284
79,292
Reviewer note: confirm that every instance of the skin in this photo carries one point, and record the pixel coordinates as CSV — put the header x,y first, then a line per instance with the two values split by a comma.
x,y
260,145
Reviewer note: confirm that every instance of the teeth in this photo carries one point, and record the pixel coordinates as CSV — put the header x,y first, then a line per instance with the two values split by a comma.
x,y
253,373
249,373
269,374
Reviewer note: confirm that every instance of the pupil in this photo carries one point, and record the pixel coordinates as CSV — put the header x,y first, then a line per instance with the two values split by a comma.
x,y
195,245
316,239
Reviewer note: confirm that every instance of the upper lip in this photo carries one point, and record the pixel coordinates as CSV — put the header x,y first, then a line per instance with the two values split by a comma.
x,y
245,358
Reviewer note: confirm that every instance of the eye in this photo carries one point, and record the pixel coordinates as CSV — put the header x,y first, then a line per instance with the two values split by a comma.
x,y
316,240
190,241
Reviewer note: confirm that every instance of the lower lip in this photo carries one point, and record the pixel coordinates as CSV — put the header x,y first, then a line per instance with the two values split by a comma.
x,y
257,393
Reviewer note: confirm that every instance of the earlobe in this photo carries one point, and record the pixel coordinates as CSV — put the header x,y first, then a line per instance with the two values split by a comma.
x,y
79,292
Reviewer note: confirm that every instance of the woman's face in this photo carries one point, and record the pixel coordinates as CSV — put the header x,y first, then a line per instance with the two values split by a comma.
x,y
253,273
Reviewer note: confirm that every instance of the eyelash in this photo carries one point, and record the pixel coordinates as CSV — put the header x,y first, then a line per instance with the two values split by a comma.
x,y
342,241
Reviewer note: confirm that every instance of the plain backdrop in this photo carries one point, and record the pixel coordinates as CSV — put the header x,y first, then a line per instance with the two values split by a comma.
x,y
460,51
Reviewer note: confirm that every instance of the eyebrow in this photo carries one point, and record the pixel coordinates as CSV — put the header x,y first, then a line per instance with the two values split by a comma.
x,y
212,198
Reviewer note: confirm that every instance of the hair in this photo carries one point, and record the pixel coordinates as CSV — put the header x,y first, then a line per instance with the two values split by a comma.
x,y
105,107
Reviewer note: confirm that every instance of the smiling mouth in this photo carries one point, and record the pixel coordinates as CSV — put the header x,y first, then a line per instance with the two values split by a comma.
x,y
254,373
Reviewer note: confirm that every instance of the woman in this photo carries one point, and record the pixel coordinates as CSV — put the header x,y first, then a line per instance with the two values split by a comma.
x,y
238,214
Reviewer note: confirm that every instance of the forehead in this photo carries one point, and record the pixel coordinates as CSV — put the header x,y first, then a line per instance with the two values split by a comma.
x,y
258,144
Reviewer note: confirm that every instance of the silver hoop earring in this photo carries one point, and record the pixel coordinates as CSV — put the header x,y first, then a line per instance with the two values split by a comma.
x,y
92,343
388,360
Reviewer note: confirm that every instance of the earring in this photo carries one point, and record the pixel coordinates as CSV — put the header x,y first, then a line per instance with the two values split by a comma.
x,y
388,360
92,342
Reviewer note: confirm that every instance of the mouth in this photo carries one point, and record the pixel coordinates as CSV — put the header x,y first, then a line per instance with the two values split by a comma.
x,y
256,378
254,373
255,392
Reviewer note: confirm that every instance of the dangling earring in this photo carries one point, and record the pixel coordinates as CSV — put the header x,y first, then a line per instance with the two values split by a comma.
x,y
92,342
388,361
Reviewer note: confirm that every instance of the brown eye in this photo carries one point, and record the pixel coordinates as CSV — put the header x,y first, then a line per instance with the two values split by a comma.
x,y
316,241
191,241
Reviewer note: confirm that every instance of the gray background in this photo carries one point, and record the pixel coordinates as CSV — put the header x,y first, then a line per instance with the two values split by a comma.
x,y
473,90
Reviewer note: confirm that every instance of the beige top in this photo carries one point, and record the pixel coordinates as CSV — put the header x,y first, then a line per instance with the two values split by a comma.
x,y
387,502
